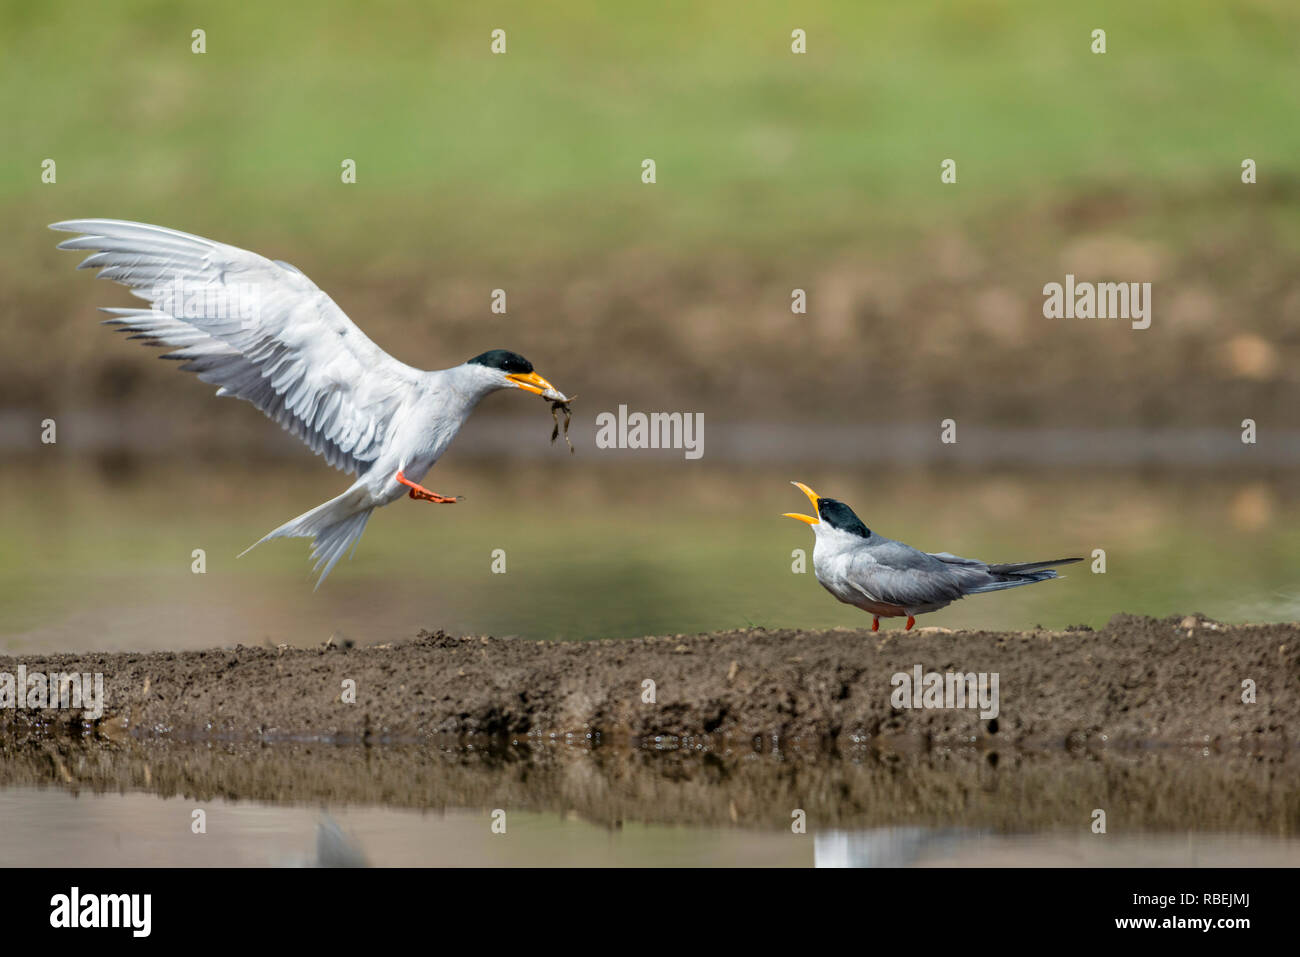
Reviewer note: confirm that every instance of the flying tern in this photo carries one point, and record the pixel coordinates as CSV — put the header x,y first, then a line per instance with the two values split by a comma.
x,y
888,579
262,331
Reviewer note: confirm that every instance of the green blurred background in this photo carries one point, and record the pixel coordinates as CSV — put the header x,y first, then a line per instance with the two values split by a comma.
x,y
775,171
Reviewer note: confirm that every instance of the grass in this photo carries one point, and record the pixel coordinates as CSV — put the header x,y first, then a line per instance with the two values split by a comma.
x,y
463,155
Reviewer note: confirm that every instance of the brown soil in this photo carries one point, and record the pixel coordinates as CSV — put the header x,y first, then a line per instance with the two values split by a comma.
x,y
1137,682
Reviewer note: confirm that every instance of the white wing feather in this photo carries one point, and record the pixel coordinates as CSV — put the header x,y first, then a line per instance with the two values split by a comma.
x,y
288,348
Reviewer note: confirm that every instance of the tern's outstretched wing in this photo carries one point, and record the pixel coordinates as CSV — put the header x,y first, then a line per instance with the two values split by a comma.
x,y
260,330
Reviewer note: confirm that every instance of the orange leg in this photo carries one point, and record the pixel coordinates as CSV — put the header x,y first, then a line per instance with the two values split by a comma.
x,y
910,622
875,623
420,493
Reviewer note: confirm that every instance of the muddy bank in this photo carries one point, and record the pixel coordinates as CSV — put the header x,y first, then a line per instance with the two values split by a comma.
x,y
1135,683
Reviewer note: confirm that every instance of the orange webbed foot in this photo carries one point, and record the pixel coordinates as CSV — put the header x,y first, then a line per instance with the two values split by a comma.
x,y
422,494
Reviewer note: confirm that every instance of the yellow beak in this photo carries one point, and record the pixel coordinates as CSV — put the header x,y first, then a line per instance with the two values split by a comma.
x,y
812,497
532,382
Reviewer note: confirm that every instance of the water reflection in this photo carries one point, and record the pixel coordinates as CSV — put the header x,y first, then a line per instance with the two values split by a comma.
x,y
885,846
918,847
141,830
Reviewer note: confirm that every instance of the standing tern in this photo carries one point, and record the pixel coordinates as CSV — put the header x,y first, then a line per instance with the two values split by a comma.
x,y
263,331
888,579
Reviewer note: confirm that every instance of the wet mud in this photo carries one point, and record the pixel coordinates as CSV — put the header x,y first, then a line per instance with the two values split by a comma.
x,y
1136,683
1144,718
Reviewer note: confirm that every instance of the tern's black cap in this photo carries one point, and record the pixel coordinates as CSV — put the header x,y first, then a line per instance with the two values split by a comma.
x,y
505,360
838,515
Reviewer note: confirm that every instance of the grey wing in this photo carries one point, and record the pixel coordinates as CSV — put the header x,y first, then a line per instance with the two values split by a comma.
x,y
949,558
260,330
980,576
898,574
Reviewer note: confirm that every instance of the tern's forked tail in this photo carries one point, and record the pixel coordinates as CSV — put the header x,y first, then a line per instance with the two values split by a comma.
x,y
335,526
1021,573
1034,571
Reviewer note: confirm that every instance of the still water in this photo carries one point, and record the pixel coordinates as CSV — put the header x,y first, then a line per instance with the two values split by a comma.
x,y
145,557
52,828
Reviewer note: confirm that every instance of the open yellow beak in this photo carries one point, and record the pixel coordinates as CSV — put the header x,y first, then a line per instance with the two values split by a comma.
x,y
812,497
532,382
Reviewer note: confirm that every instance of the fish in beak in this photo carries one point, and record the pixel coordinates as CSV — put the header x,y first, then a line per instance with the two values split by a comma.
x,y
532,382
812,497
